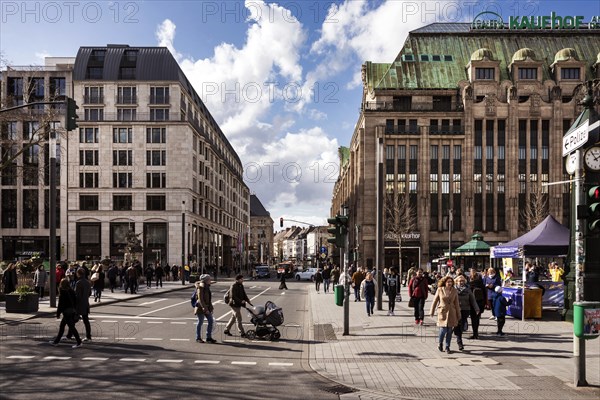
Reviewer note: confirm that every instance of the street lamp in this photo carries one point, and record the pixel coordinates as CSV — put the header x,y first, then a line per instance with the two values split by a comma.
x,y
450,212
182,272
346,279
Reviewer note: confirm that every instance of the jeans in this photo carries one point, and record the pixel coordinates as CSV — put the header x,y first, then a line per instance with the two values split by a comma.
x,y
72,330
458,330
447,332
500,321
370,303
86,323
326,285
357,292
209,328
419,307
159,281
475,317
317,286
391,300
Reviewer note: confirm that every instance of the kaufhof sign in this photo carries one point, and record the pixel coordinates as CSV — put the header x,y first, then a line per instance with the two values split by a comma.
x,y
492,20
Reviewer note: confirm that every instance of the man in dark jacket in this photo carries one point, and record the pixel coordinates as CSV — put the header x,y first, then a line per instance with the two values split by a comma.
x,y
159,272
83,289
237,300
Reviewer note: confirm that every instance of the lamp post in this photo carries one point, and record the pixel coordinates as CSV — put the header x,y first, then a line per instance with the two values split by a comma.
x,y
52,208
182,272
344,261
450,221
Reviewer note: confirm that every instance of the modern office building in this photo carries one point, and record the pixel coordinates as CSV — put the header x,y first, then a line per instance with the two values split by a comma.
x,y
147,153
466,122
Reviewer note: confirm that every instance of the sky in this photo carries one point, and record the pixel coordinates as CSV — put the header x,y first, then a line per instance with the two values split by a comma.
x,y
282,79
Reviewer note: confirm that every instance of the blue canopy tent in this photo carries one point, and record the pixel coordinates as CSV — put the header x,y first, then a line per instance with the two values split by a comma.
x,y
548,239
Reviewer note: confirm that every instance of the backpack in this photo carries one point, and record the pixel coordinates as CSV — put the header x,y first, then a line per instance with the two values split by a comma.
x,y
194,298
227,296
478,293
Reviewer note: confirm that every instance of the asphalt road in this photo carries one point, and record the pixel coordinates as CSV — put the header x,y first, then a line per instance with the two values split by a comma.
x,y
145,348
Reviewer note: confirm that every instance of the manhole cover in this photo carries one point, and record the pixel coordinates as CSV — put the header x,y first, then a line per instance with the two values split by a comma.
x,y
339,389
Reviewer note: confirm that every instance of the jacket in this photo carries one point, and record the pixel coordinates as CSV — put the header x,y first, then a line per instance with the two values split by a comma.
x,y
363,288
500,304
237,295
83,289
417,287
66,301
318,277
448,307
39,278
99,283
357,278
467,300
392,284
491,283
204,297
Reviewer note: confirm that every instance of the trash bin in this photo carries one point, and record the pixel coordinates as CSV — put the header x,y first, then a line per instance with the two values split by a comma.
x,y
586,319
338,293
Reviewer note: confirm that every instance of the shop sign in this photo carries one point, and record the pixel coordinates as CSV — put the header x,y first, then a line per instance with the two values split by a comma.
x,y
492,20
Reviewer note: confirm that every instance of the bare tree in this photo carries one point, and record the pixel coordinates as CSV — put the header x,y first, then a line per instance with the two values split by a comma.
x,y
535,210
400,218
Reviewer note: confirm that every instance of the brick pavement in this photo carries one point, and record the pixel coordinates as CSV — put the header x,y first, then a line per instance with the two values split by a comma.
x,y
389,357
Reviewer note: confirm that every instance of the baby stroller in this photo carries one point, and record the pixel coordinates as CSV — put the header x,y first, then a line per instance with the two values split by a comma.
x,y
265,319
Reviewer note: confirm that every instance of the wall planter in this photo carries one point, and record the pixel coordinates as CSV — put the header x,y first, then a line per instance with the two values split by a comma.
x,y
29,304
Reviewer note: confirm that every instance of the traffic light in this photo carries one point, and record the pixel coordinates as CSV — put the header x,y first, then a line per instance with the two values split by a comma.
x,y
71,114
281,222
338,231
593,215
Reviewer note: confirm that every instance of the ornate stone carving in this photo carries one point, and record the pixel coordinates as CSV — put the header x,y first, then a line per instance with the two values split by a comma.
x,y
468,92
556,93
490,105
512,93
534,107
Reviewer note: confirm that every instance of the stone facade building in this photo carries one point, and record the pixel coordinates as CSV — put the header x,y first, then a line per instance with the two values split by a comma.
x,y
467,123
261,249
147,152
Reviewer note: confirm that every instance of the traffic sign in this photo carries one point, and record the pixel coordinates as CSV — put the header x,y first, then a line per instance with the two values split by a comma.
x,y
449,263
576,138
323,250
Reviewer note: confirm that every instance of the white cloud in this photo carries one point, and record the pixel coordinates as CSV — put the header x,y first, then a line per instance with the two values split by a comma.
x,y
165,34
42,55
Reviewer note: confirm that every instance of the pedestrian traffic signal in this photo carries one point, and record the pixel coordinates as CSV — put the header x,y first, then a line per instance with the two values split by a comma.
x,y
281,222
71,122
338,231
593,215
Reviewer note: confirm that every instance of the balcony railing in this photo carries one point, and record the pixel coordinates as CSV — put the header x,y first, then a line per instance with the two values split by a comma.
x,y
159,99
126,99
414,107
402,130
111,117
446,130
93,99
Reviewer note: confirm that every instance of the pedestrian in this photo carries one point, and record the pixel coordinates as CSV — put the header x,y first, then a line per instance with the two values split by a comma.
x,y
500,304
326,278
448,308
98,284
10,279
468,304
335,275
39,281
412,271
237,300
393,289
556,272
174,269
532,273
357,279
282,284
478,290
60,274
318,279
491,281
112,273
66,307
204,308
368,289
149,273
418,292
70,275
83,290
159,272
132,276
167,272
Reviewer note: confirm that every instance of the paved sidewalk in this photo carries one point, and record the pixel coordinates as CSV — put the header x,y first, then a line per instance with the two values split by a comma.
x,y
390,357
107,298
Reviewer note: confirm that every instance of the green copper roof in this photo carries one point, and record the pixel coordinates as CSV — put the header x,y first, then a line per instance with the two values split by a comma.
x,y
344,155
447,49
475,247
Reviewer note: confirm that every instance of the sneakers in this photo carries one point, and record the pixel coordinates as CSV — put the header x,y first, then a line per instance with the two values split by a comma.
x,y
440,347
448,351
87,339
421,322
76,345
393,313
211,340
227,333
501,334
492,318
417,321
199,341
461,347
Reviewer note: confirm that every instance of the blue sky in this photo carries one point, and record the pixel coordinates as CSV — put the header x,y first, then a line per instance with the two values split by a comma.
x,y
281,78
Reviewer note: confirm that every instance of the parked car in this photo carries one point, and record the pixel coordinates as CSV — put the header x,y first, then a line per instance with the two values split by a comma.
x,y
262,271
307,273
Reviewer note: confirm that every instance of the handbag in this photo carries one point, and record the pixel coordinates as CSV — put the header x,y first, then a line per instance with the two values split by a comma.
x,y
196,310
398,298
411,302
95,276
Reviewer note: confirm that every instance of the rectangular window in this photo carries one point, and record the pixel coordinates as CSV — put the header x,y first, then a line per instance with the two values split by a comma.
x,y
88,135
433,186
159,95
31,130
157,157
156,180
88,202
30,208
126,114
570,73
159,114
88,157
88,179
122,157
94,114
93,95
126,72
122,135
122,179
414,154
434,152
527,73
126,95
156,202
457,152
9,208
122,202
484,73
58,87
94,72
156,135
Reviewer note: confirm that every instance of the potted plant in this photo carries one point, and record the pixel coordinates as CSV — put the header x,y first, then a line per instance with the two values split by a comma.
x,y
194,278
22,300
